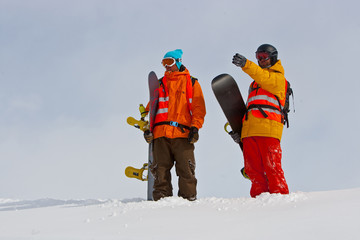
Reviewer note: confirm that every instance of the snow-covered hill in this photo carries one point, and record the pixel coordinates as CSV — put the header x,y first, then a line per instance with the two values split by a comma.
x,y
316,215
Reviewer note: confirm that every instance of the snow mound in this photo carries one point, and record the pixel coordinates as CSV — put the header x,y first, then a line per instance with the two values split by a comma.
x,y
317,215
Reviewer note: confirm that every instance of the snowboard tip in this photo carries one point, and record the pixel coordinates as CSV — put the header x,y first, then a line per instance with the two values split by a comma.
x,y
220,78
152,73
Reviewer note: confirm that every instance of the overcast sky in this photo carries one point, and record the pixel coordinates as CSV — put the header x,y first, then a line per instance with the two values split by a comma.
x,y
72,71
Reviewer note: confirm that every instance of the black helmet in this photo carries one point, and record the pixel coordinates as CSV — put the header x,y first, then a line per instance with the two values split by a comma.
x,y
271,50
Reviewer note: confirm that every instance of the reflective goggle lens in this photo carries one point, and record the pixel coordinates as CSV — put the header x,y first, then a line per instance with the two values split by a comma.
x,y
262,56
168,62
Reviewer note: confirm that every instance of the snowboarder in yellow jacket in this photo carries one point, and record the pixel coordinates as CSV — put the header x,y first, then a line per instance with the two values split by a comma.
x,y
263,123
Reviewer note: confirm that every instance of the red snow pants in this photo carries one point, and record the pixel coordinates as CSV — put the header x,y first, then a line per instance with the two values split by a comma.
x,y
262,156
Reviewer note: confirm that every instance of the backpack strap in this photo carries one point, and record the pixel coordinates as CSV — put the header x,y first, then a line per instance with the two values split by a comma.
x,y
193,80
285,110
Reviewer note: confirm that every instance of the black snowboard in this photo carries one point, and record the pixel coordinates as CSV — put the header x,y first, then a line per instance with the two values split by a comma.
x,y
231,102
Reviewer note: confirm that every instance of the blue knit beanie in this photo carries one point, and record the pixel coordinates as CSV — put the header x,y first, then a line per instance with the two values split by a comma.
x,y
177,54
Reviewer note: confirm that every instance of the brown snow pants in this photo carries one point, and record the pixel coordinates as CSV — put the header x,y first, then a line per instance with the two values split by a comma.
x,y
168,152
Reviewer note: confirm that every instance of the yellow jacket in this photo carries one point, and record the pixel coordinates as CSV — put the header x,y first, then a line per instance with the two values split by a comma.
x,y
272,80
178,108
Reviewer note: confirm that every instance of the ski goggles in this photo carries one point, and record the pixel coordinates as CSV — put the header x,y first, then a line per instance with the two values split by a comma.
x,y
262,56
168,62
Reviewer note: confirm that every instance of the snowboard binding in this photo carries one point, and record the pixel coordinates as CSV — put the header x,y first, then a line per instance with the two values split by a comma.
x,y
244,173
143,125
137,173
140,124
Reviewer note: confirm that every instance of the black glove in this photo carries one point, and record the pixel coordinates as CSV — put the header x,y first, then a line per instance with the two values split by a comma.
x,y
239,60
235,136
148,136
193,135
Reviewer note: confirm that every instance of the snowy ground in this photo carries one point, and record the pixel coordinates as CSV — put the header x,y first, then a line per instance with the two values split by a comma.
x,y
315,215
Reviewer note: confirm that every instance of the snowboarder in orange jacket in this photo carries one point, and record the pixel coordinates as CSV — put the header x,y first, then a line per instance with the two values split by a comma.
x,y
180,114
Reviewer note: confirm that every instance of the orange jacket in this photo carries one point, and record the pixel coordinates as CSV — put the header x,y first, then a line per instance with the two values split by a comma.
x,y
178,108
273,81
163,101
264,104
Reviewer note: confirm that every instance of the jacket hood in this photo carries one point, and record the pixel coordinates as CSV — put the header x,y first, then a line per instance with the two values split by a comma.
x,y
277,67
173,75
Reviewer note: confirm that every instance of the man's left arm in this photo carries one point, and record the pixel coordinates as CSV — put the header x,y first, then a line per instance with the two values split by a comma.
x,y
198,106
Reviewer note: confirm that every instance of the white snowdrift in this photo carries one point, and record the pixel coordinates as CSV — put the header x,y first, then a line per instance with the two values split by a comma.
x,y
317,215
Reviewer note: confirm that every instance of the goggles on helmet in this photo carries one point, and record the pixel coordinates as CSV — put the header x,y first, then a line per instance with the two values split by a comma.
x,y
168,62
262,56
